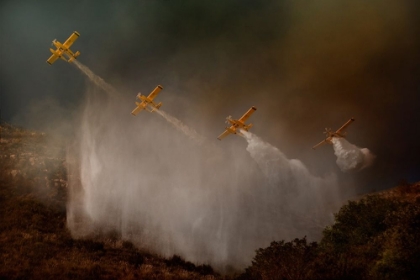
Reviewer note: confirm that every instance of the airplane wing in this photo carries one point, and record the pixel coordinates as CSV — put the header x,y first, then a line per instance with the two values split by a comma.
x,y
247,114
155,92
344,126
224,134
137,110
52,59
71,39
319,144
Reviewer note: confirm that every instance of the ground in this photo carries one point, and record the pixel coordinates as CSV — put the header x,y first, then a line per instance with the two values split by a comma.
x,y
35,242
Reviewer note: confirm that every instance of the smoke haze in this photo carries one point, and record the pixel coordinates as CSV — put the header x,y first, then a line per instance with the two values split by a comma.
x,y
304,64
168,193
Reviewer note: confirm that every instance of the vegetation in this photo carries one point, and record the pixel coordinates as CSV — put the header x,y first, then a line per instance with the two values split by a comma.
x,y
374,238
287,260
34,240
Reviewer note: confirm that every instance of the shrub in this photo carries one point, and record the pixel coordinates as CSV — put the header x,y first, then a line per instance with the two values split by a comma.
x,y
283,260
350,246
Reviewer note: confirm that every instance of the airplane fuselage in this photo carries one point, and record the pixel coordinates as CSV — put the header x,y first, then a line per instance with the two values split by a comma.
x,y
61,51
335,134
237,125
148,101
145,99
331,135
60,48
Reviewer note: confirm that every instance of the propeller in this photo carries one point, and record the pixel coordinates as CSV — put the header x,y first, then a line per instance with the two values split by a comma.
x,y
227,119
327,131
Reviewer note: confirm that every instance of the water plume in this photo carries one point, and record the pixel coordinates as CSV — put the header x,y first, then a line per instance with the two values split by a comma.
x,y
350,157
292,181
188,131
161,190
95,78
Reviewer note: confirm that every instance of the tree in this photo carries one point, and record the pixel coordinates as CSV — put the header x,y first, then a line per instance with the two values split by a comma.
x,y
350,246
283,260
400,256
373,238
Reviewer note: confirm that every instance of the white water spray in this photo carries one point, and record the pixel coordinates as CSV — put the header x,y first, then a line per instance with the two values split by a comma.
x,y
95,78
162,191
350,157
191,133
291,180
188,131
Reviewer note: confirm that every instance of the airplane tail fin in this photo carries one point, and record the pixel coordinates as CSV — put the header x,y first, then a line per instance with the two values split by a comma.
x,y
156,107
73,57
247,127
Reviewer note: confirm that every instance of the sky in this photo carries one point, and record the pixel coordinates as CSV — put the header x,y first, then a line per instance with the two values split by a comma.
x,y
305,65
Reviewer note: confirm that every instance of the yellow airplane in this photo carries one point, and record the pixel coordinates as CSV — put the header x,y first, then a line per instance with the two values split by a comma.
x,y
329,135
237,124
147,101
63,49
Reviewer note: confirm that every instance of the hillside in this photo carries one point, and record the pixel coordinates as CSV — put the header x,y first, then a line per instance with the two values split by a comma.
x,y
403,192
373,237
35,243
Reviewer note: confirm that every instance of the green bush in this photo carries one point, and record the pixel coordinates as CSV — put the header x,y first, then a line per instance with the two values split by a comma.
x,y
283,260
374,238
350,247
400,256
